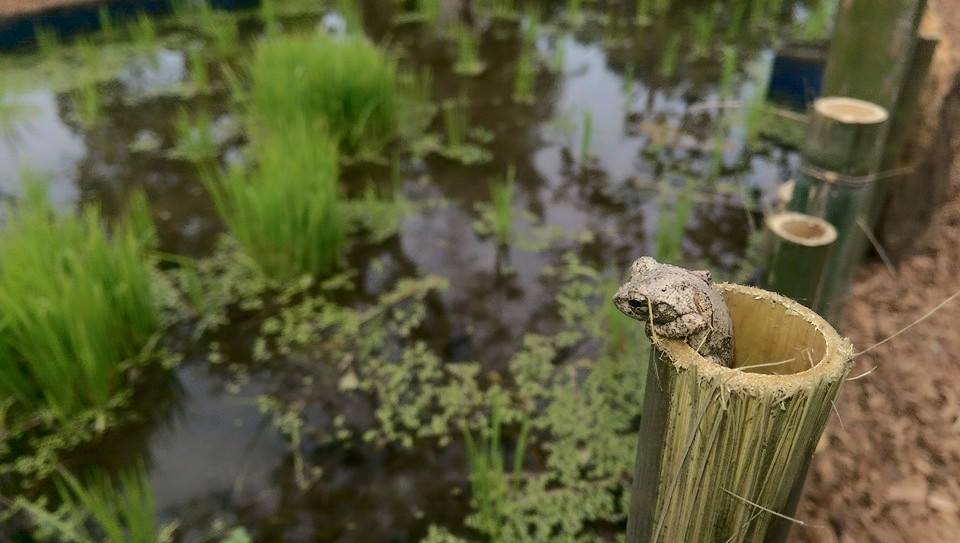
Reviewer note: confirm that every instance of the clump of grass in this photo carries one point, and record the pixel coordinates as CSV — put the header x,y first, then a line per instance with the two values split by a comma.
x,y
668,62
143,32
525,78
77,302
195,139
501,196
468,61
346,83
284,212
121,510
671,226
490,475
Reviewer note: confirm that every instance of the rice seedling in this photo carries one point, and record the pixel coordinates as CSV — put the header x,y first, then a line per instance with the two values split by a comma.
x,y
728,69
501,196
574,13
755,104
661,6
531,25
87,103
643,12
235,86
143,32
346,83
77,302
816,26
199,72
629,76
586,136
671,226
195,138
702,25
502,9
47,40
120,510
558,61
283,212
182,9
220,28
352,16
668,62
490,475
455,123
105,21
525,78
268,17
468,61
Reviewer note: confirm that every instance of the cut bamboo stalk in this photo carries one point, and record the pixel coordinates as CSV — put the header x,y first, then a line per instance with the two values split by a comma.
x,y
870,48
720,448
904,118
799,247
835,182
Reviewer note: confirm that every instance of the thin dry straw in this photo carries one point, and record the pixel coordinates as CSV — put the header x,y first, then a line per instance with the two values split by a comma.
x,y
926,316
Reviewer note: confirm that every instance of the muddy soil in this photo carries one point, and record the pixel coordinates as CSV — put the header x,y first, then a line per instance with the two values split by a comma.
x,y
888,467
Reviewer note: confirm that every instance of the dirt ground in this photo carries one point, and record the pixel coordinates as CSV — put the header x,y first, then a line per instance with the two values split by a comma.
x,y
9,7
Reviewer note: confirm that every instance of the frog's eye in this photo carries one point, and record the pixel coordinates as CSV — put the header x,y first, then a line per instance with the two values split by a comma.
x,y
638,304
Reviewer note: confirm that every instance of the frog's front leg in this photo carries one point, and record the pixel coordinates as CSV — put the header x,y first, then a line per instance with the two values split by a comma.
x,y
685,327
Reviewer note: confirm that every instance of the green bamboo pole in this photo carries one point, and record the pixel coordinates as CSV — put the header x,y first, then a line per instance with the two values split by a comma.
x,y
835,180
904,118
799,248
869,52
720,448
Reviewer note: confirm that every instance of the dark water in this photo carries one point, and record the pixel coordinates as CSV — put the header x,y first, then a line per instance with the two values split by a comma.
x,y
209,451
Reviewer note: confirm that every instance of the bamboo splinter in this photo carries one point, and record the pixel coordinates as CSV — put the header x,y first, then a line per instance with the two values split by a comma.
x,y
723,451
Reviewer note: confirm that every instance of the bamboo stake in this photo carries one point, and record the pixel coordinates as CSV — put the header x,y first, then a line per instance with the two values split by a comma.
x,y
904,117
871,44
799,247
722,451
835,182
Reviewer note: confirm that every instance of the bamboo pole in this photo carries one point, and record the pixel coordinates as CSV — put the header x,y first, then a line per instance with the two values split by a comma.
x,y
871,44
904,117
799,247
721,447
835,181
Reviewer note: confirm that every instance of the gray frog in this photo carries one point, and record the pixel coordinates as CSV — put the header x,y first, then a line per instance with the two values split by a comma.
x,y
683,304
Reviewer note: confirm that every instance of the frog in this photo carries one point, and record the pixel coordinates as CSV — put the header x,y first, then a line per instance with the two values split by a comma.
x,y
681,304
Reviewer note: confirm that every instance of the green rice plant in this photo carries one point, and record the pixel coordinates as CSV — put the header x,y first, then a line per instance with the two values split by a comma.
x,y
77,302
661,6
629,76
455,123
346,83
574,13
668,62
525,78
283,212
352,16
143,32
182,9
235,86
87,102
199,72
558,61
816,26
643,12
702,25
501,196
468,61
728,70
105,21
117,510
671,226
490,475
47,40
220,28
268,16
532,14
503,9
586,136
195,138
755,105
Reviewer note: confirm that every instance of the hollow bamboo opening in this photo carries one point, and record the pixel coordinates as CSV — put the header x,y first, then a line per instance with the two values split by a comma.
x,y
802,229
850,110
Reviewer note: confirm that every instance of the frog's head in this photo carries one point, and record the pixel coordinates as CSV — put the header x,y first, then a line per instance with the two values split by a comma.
x,y
660,292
